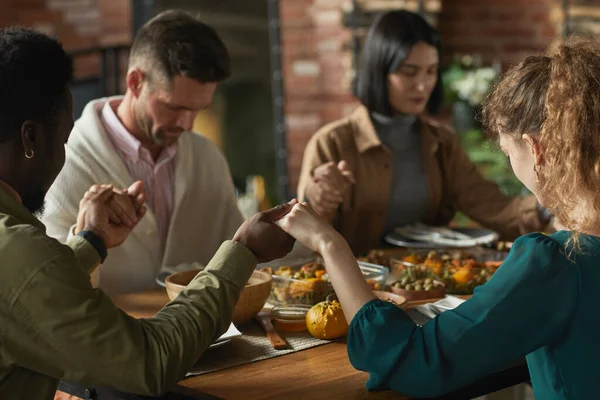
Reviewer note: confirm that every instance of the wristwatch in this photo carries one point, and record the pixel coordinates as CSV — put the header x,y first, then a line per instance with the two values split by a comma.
x,y
97,242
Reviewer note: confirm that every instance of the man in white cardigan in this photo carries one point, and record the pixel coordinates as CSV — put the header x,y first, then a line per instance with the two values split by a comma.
x,y
175,64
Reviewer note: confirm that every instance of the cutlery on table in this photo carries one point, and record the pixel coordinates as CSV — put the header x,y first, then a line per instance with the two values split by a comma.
x,y
264,319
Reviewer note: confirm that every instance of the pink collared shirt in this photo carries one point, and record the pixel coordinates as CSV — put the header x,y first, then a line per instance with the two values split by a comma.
x,y
158,177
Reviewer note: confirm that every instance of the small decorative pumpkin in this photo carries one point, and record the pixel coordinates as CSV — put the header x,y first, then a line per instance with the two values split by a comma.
x,y
326,320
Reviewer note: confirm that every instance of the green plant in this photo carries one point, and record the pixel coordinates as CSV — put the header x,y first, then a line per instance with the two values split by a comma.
x,y
464,81
491,161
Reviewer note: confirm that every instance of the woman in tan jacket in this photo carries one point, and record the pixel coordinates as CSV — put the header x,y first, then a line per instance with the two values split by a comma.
x,y
388,164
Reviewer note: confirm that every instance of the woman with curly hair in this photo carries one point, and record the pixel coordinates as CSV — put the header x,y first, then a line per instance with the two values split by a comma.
x,y
541,303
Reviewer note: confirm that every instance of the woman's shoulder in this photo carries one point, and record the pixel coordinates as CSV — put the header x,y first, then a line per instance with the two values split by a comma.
x,y
341,129
535,239
538,253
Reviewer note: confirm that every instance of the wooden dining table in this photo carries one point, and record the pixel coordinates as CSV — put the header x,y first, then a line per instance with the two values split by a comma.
x,y
322,372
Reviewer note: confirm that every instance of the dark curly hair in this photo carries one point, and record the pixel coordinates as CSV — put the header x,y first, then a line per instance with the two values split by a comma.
x,y
35,73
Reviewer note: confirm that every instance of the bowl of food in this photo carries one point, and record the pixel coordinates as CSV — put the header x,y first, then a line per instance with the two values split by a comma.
x,y
306,282
252,298
459,271
420,289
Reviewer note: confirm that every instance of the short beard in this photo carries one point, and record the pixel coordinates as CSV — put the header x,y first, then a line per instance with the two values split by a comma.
x,y
34,203
142,120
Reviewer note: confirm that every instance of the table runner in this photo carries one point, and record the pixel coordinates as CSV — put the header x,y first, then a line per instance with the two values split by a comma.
x,y
252,346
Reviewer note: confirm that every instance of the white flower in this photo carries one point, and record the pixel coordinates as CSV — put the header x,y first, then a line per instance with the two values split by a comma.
x,y
475,84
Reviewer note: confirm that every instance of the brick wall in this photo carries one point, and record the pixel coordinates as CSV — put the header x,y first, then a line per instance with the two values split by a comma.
x,y
317,71
503,31
317,57
78,24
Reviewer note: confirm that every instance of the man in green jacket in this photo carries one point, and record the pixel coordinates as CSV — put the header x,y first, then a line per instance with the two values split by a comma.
x,y
53,324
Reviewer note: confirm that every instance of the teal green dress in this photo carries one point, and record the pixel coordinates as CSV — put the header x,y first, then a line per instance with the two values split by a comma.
x,y
538,304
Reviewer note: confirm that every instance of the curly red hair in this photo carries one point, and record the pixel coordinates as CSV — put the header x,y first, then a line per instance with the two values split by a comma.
x,y
556,98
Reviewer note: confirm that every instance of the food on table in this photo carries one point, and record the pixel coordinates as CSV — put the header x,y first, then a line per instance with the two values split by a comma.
x,y
326,320
417,277
291,318
310,283
378,257
307,285
459,271
419,284
463,275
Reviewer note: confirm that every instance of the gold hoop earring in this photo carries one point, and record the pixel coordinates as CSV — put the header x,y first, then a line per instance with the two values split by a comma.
x,y
536,171
29,154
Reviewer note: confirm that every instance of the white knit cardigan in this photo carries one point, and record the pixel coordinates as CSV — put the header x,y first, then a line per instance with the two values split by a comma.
x,y
205,211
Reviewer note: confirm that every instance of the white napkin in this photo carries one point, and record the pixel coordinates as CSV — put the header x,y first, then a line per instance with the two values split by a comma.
x,y
432,310
231,333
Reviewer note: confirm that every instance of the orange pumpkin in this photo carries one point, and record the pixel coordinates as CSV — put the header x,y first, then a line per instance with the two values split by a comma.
x,y
326,320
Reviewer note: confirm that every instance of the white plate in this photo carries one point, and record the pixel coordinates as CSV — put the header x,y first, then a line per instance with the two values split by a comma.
x,y
477,237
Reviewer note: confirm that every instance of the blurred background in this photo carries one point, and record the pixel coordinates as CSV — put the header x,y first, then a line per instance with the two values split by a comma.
x,y
294,62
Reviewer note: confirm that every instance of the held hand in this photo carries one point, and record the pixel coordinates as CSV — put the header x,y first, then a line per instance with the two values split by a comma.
x,y
99,205
137,193
338,176
309,229
329,184
263,237
127,206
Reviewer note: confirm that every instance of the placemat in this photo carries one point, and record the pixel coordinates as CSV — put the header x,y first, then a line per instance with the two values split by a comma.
x,y
252,346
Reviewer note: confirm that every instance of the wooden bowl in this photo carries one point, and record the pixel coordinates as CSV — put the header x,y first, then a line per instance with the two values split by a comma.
x,y
252,299
413,295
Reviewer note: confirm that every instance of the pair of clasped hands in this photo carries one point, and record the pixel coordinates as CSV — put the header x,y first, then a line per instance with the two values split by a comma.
x,y
329,184
113,213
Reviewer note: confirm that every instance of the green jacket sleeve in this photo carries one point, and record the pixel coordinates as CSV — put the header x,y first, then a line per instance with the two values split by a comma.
x,y
527,303
86,255
61,327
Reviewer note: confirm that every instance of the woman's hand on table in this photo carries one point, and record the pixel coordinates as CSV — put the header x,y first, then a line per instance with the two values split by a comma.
x,y
345,275
329,184
263,237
